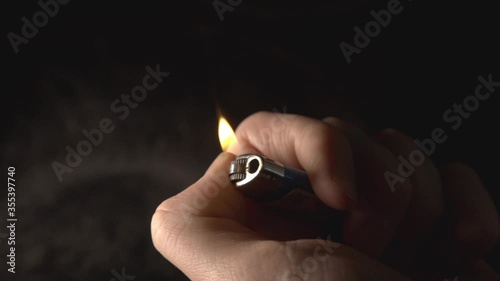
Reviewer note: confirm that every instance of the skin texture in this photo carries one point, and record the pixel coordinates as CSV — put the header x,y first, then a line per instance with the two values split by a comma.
x,y
437,223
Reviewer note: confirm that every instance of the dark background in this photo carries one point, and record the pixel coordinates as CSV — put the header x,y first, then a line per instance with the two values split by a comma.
x,y
263,56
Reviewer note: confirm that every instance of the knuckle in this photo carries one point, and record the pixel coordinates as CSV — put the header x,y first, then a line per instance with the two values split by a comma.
x,y
167,223
392,135
325,136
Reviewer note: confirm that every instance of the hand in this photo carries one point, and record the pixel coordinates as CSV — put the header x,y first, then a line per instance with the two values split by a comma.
x,y
211,232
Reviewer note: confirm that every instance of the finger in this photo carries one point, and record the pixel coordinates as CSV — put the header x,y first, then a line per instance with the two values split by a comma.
x,y
203,220
473,218
305,143
213,195
383,201
207,241
427,205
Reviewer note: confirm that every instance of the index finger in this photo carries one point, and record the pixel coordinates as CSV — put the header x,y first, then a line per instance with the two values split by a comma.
x,y
307,143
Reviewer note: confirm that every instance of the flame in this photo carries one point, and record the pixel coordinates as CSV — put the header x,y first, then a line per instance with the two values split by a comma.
x,y
226,134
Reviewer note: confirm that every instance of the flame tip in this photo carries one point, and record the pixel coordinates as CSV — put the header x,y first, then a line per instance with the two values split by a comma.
x,y
226,133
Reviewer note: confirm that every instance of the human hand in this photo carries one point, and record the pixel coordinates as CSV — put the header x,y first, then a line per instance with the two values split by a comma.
x,y
211,232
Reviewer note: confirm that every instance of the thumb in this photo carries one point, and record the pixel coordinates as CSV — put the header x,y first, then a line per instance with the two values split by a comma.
x,y
202,231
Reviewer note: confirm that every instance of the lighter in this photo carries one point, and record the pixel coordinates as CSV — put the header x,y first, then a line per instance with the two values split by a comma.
x,y
279,186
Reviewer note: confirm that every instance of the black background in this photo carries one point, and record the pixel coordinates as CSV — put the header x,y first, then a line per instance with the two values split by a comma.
x,y
263,56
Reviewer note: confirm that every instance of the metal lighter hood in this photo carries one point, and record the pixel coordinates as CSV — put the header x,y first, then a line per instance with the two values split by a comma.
x,y
255,175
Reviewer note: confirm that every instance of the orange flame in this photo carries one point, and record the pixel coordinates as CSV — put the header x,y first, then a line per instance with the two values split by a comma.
x,y
226,134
